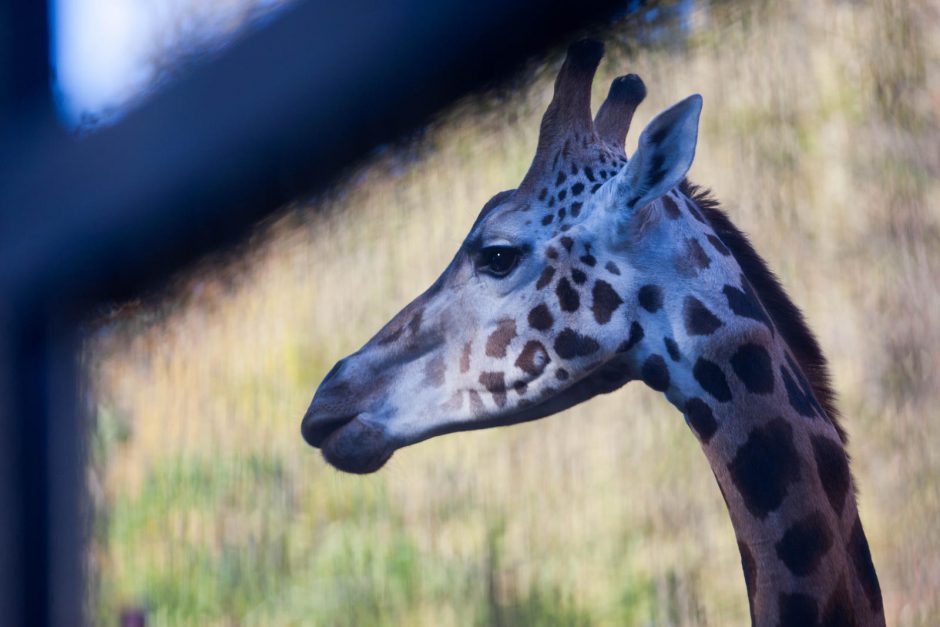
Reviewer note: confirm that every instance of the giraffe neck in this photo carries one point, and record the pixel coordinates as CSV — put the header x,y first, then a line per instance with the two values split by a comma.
x,y
781,467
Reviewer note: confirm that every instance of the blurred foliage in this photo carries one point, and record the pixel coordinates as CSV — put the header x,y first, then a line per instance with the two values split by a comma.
x,y
820,134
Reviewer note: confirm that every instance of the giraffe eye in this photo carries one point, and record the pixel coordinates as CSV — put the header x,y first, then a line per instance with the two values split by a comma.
x,y
498,261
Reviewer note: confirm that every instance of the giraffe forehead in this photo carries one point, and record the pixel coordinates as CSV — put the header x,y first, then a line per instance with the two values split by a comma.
x,y
563,197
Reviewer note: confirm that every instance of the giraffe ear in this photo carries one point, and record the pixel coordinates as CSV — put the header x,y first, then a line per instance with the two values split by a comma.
x,y
663,156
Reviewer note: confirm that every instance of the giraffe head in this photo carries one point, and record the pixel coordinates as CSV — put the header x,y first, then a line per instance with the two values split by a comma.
x,y
532,315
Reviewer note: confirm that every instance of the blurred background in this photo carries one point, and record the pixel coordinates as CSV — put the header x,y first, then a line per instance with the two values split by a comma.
x,y
821,136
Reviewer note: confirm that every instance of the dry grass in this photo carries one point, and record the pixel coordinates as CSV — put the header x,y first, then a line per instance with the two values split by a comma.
x,y
820,135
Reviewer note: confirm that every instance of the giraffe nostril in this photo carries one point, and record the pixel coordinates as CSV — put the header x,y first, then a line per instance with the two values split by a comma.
x,y
315,428
333,371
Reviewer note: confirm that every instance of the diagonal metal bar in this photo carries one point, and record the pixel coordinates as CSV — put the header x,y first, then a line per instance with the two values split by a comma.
x,y
282,112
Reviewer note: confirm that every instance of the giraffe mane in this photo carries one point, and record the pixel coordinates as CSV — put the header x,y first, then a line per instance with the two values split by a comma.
x,y
786,317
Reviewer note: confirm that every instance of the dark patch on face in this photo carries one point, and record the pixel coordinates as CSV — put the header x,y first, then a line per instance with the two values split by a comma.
x,y
391,337
540,318
636,334
700,417
562,194
577,188
588,260
415,323
655,373
710,376
543,193
672,348
520,387
551,201
495,384
651,298
547,219
606,301
693,209
434,371
699,320
839,611
561,374
565,227
718,245
697,253
804,544
499,339
567,242
551,253
833,467
860,556
752,364
672,209
743,303
476,403
533,359
574,167
545,278
561,178
568,298
465,357
797,610
570,344
611,267
604,174
578,276
561,214
749,566
765,466
596,187
589,173
798,401
576,209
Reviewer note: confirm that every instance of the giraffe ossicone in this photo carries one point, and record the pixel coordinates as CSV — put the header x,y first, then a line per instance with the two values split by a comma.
x,y
599,270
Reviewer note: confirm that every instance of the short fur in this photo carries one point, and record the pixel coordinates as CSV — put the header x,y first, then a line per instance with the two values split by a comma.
x,y
787,317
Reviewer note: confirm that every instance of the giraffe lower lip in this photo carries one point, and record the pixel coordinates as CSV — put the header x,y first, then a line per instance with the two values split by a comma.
x,y
357,447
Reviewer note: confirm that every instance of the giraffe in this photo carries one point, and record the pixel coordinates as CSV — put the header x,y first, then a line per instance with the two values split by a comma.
x,y
598,270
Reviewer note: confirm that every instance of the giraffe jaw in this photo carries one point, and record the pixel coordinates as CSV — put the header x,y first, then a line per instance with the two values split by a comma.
x,y
363,442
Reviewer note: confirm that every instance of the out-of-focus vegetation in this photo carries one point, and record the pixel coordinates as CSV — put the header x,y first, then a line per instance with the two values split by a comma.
x,y
820,134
